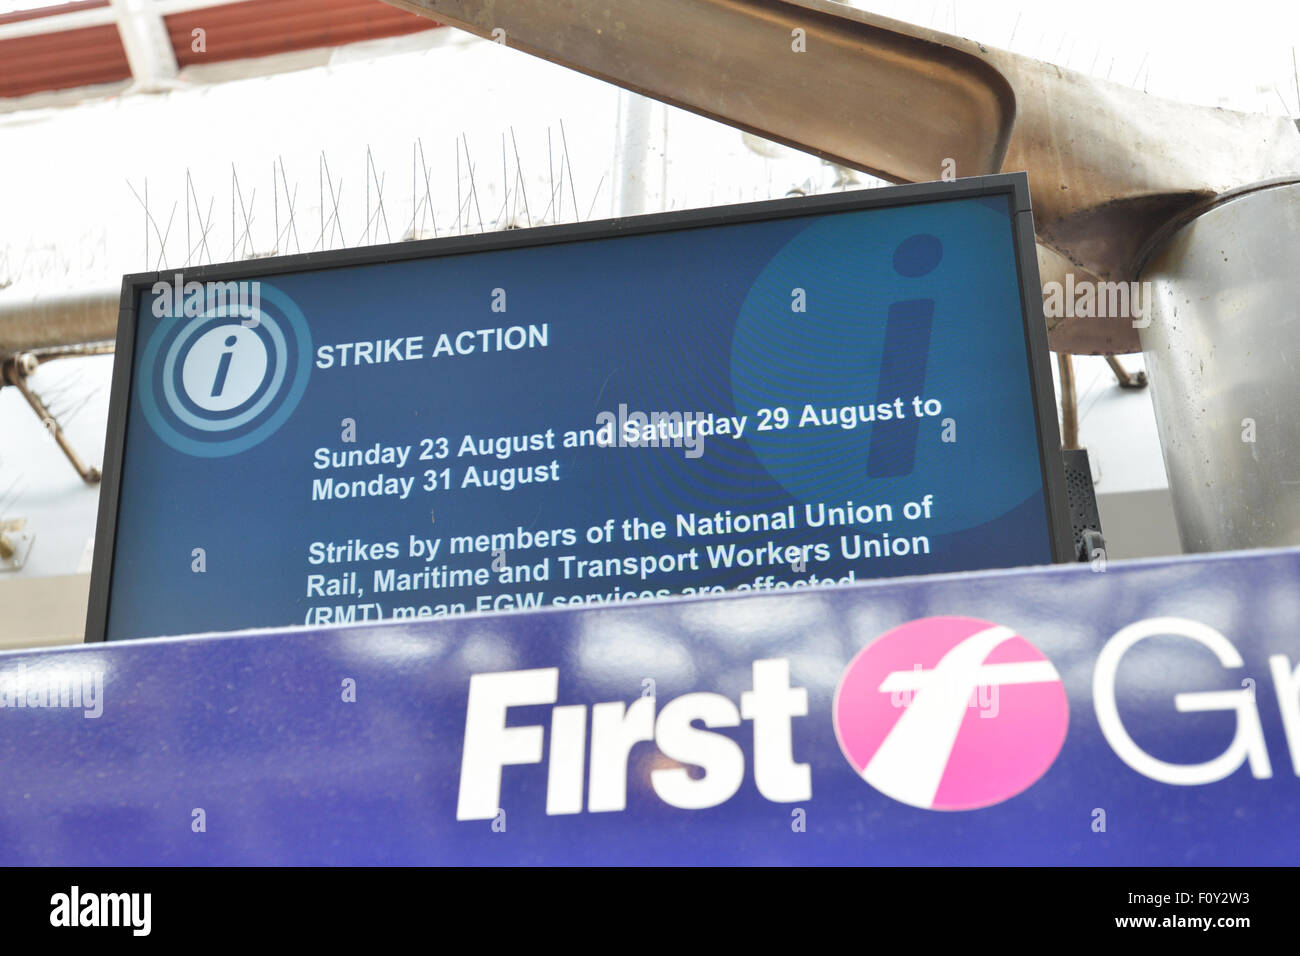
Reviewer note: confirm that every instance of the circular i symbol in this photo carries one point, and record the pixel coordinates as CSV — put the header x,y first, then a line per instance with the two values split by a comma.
x,y
224,368
219,378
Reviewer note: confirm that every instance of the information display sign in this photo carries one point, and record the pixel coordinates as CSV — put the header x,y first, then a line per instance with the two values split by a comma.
x,y
758,397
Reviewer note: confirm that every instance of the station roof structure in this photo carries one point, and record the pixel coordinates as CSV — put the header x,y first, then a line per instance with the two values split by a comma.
x,y
144,45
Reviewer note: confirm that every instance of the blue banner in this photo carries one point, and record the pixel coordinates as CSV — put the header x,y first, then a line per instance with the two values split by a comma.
x,y
1144,714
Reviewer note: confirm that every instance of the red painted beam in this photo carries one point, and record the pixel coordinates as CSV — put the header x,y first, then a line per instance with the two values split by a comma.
x,y
265,27
62,60
233,31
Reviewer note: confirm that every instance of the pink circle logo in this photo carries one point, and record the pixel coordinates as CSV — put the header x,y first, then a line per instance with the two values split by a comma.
x,y
950,713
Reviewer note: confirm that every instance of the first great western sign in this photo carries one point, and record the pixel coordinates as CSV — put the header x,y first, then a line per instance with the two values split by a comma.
x,y
1148,714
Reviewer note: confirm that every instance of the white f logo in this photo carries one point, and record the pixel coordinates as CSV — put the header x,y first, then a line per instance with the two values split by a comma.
x,y
937,753
911,762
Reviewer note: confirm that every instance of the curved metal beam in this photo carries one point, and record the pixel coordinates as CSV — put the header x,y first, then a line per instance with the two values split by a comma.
x,y
1107,164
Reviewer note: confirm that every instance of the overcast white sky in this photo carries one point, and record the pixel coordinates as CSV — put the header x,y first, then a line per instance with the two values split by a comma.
x,y
1200,51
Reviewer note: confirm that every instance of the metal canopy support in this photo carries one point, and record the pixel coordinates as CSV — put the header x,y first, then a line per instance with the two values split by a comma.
x,y
1107,165
16,369
148,47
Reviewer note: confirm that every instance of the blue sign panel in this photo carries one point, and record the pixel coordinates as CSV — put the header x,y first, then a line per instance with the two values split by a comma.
x,y
1147,714
752,398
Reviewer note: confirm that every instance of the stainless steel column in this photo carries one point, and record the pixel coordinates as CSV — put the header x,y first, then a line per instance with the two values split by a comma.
x,y
1223,353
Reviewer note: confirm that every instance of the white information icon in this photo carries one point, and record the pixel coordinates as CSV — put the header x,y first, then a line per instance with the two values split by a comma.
x,y
224,368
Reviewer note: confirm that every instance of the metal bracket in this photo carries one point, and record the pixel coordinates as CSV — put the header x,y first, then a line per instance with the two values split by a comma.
x,y
15,544
16,369
1124,377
